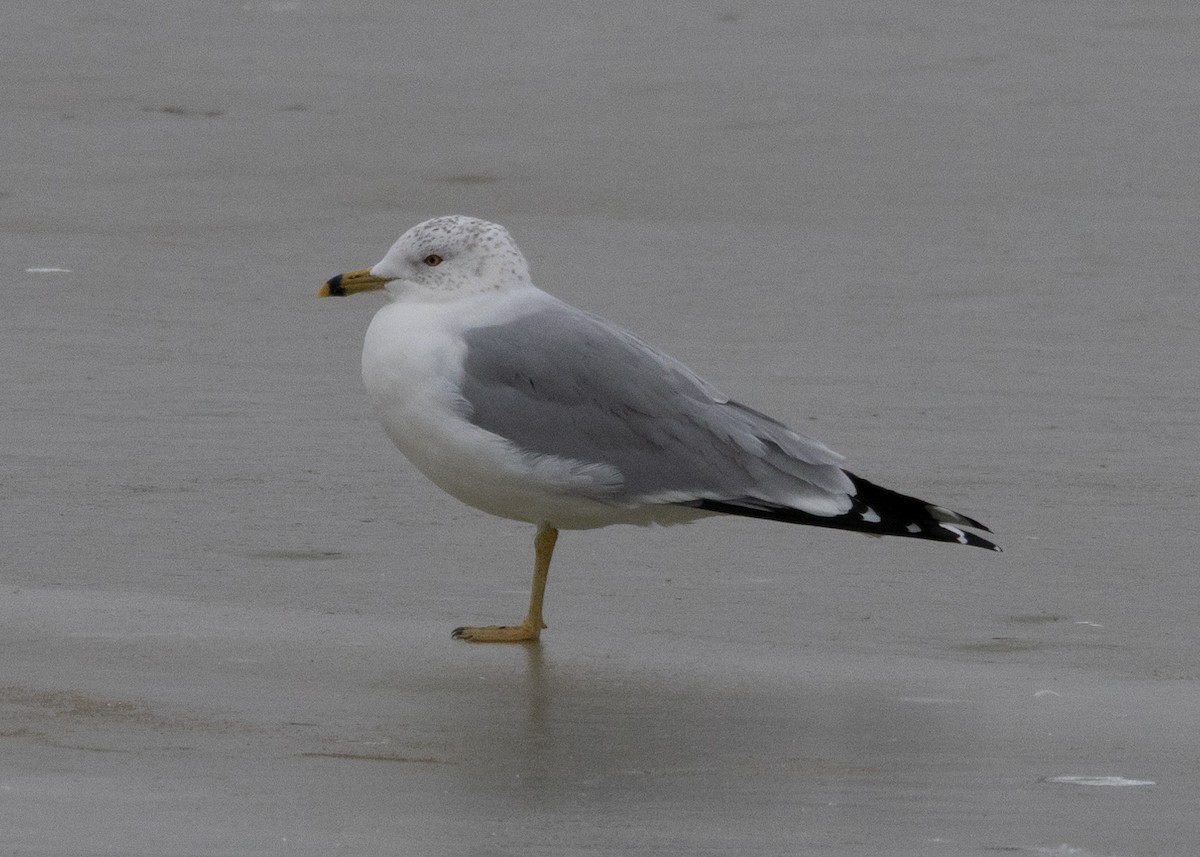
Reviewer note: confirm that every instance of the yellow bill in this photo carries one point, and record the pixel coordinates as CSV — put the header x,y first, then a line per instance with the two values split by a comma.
x,y
355,281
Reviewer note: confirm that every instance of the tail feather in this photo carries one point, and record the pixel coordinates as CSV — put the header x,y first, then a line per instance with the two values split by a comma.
x,y
874,510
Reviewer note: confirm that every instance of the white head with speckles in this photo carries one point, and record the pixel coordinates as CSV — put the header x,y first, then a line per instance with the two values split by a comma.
x,y
452,257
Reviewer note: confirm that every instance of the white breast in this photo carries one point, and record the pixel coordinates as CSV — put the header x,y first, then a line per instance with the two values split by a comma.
x,y
412,366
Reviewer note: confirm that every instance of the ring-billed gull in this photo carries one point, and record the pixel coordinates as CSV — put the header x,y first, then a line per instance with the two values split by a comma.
x,y
528,408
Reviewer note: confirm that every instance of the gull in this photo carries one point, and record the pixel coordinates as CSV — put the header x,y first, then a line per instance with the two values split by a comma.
x,y
521,405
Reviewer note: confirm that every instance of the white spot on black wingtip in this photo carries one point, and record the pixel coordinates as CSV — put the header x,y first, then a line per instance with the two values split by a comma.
x,y
959,535
871,516
913,528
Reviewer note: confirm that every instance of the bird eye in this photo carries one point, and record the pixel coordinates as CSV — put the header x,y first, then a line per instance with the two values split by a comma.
x,y
432,260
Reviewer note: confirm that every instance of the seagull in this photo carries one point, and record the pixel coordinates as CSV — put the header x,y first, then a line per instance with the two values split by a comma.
x,y
525,407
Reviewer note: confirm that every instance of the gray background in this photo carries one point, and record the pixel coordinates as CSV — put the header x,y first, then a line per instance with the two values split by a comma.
x,y
954,240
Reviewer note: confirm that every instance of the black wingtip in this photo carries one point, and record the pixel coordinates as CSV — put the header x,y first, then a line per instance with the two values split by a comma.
x,y
977,542
973,524
875,510
924,527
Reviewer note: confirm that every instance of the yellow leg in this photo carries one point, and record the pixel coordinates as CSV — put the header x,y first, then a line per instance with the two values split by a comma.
x,y
531,629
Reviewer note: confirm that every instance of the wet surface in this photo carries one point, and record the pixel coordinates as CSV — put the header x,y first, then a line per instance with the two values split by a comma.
x,y
956,243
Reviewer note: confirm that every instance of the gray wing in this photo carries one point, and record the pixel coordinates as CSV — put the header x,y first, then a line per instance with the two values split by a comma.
x,y
563,382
